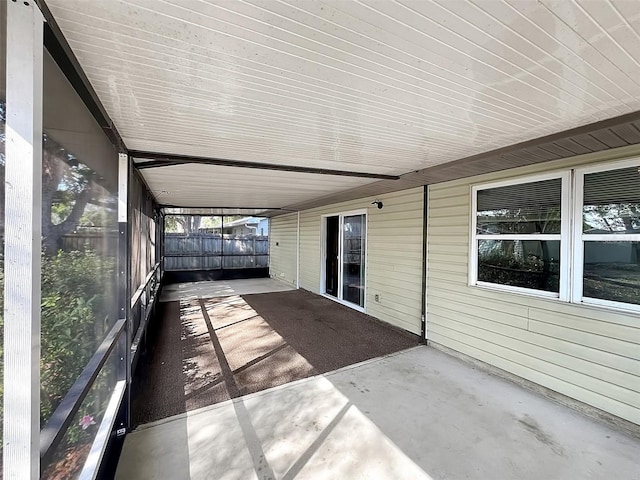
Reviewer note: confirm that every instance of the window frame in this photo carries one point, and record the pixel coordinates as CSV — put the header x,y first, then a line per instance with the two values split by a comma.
x,y
571,235
578,238
562,237
323,245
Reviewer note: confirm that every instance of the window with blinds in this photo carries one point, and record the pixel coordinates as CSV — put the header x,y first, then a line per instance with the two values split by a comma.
x,y
510,210
518,234
611,202
608,245
524,239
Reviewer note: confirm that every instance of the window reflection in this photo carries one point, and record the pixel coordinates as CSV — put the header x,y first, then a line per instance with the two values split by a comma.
x,y
611,205
612,271
520,209
353,259
531,264
612,202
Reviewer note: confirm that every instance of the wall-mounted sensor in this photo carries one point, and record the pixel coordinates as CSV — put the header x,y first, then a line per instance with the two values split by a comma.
x,y
378,203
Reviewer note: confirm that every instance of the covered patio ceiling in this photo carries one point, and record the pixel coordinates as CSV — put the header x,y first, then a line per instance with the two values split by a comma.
x,y
420,90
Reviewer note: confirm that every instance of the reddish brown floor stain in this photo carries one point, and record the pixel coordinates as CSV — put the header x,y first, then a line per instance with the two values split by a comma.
x,y
204,352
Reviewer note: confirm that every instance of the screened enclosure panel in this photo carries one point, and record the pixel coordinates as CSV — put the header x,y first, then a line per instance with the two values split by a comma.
x,y
143,233
79,265
193,242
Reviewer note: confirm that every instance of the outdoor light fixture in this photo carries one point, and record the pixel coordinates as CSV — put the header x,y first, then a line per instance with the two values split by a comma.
x,y
378,203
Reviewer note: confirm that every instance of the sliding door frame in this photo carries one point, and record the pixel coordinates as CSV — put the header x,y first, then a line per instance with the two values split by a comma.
x,y
323,256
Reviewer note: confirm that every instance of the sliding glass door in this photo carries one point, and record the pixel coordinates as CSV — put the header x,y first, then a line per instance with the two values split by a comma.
x,y
344,252
353,240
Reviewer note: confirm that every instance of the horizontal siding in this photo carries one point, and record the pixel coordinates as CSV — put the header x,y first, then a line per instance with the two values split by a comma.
x,y
283,246
588,353
310,251
393,257
496,355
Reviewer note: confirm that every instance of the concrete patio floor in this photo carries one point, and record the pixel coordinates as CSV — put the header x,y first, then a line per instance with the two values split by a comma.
x,y
221,288
418,414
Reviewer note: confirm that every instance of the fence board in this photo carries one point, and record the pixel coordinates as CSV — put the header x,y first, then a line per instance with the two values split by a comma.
x,y
104,243
209,251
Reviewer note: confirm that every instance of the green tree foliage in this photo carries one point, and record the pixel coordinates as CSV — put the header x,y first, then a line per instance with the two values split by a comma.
x,y
75,319
182,223
67,188
192,223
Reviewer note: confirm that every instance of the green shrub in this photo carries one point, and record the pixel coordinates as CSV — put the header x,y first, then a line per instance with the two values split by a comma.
x,y
78,308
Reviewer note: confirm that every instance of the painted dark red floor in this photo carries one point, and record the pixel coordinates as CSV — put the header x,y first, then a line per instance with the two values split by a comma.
x,y
202,352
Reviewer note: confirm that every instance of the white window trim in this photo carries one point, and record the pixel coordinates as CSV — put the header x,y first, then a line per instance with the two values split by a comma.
x,y
563,237
521,290
571,237
579,237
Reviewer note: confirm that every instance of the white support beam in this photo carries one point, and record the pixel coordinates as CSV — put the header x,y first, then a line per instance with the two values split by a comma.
x,y
124,291
123,187
23,231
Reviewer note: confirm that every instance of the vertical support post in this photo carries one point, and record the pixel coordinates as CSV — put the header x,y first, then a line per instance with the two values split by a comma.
x,y
425,252
124,297
222,247
298,254
161,242
23,233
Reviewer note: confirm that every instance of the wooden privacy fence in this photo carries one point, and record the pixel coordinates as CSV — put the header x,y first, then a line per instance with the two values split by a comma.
x,y
103,243
208,251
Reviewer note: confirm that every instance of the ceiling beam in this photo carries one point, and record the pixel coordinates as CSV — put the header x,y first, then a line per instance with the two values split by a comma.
x,y
168,205
224,211
158,160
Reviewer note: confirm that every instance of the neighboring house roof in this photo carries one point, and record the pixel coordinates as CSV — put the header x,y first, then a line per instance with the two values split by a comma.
x,y
244,221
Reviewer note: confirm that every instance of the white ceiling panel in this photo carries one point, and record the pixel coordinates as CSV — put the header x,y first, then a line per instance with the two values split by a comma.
x,y
377,86
193,185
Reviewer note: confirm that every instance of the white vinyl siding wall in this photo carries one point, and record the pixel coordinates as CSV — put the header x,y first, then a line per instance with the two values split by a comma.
x,y
588,353
393,266
283,231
